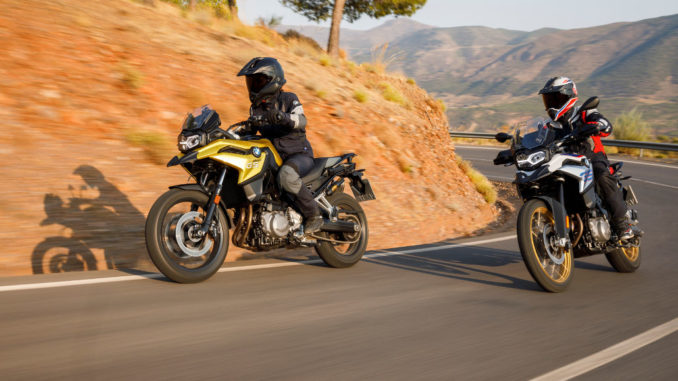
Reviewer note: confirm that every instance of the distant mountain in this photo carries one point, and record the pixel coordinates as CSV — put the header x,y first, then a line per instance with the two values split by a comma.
x,y
358,43
490,77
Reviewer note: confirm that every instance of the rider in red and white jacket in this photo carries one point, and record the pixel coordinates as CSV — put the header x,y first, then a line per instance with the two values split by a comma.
x,y
560,97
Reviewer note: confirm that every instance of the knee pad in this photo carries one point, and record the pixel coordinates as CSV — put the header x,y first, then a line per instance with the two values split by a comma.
x,y
289,179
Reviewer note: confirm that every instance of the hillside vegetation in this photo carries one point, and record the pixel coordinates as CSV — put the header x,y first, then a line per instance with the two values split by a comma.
x,y
92,94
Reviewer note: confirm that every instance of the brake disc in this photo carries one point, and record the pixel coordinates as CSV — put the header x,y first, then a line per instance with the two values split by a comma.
x,y
549,245
187,240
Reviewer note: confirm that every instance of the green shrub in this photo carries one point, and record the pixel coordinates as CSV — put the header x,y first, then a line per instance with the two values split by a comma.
x,y
631,126
442,104
361,96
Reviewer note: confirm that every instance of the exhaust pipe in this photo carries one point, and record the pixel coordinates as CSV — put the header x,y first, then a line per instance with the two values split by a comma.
x,y
339,226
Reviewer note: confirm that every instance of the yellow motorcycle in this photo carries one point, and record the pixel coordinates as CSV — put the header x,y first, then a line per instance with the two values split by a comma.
x,y
235,188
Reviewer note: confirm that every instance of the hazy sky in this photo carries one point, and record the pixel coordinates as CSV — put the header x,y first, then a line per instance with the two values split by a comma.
x,y
510,14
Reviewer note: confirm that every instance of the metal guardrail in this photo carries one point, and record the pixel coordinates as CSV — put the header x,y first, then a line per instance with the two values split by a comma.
x,y
607,142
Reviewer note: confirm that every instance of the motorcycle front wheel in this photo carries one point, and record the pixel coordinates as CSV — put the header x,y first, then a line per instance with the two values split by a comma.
x,y
172,240
550,266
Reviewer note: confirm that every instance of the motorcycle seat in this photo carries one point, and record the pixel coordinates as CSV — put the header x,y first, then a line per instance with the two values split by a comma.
x,y
319,165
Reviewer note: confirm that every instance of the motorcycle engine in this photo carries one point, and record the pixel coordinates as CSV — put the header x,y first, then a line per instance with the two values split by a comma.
x,y
279,224
600,229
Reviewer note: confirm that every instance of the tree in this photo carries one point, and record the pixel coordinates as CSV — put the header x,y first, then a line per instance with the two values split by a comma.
x,y
351,10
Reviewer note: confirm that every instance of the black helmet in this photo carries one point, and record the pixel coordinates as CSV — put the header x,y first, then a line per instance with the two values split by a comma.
x,y
265,77
559,95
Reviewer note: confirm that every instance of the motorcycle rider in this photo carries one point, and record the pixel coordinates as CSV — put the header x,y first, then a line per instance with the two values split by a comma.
x,y
560,96
278,115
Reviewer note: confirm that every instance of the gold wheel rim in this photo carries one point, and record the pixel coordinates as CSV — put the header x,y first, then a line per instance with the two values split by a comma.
x,y
631,253
543,218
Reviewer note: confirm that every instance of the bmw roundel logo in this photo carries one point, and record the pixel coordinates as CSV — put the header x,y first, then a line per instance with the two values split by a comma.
x,y
256,151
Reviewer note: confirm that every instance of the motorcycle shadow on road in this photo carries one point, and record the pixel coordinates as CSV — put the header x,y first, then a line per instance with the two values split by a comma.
x,y
471,264
108,222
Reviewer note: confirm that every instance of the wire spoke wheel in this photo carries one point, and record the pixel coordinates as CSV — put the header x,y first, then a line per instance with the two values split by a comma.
x,y
631,253
625,259
548,263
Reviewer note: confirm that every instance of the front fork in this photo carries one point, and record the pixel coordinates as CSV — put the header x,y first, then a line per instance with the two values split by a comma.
x,y
215,198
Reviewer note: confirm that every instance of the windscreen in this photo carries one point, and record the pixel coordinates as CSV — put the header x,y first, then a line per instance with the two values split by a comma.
x,y
533,133
201,117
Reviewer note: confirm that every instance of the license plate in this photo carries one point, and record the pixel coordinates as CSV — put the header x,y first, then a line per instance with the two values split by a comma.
x,y
364,194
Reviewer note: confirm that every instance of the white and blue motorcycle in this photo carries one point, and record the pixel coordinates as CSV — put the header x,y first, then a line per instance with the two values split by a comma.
x,y
562,217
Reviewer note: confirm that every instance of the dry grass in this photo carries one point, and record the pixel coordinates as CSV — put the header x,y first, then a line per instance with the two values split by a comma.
x,y
156,146
326,60
380,60
322,94
392,94
371,68
130,76
482,184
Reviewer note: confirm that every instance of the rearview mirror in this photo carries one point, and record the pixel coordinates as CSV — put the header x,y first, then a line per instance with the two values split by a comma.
x,y
502,137
590,104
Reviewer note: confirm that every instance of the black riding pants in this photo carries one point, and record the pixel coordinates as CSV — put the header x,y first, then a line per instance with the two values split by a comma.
x,y
289,178
611,194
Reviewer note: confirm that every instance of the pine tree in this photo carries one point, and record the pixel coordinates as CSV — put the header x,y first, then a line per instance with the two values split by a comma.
x,y
351,10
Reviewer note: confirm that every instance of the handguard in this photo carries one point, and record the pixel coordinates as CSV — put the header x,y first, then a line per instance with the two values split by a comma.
x,y
503,157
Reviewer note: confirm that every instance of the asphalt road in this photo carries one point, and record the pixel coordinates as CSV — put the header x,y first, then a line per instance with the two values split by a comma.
x,y
468,311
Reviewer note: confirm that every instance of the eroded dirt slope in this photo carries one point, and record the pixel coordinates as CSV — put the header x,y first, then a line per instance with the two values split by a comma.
x,y
89,90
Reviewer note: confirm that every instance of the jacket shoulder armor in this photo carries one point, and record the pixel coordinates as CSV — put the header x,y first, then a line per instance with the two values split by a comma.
x,y
288,101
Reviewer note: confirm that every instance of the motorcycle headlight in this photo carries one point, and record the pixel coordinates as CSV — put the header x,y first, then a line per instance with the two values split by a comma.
x,y
528,161
188,142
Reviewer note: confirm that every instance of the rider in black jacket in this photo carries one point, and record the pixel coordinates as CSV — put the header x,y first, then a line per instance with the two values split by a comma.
x,y
560,96
279,116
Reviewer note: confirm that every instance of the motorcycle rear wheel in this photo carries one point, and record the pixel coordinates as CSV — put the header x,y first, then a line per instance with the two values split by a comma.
x,y
344,255
170,243
624,260
550,266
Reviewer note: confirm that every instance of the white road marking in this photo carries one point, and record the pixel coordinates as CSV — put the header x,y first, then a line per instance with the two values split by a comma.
x,y
390,253
610,354
82,282
646,163
653,183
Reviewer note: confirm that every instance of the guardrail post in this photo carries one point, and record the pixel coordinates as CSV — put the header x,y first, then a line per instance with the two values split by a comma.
x,y
641,152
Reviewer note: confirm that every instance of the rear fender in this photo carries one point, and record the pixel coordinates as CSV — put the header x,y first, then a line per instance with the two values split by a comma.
x,y
200,188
